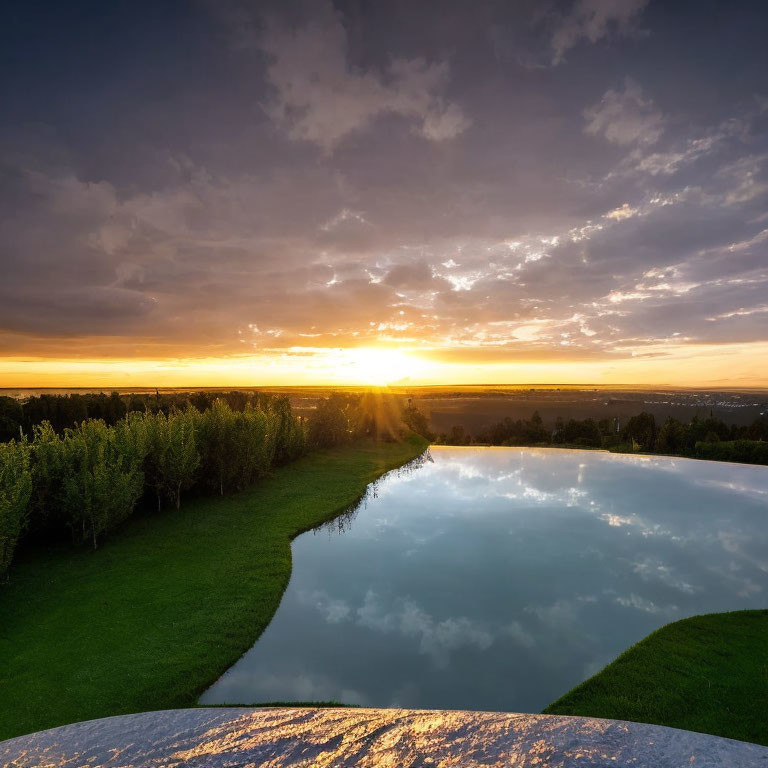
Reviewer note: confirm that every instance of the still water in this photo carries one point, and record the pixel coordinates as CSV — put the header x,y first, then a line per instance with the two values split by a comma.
x,y
498,578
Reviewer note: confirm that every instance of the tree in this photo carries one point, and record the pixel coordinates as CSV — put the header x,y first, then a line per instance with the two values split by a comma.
x,y
172,457
758,430
15,490
641,430
181,457
457,436
253,448
329,424
533,431
51,466
105,482
575,432
672,437
286,432
11,418
417,422
216,428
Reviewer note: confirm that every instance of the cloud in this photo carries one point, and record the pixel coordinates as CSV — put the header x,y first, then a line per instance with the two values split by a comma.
x,y
651,570
199,264
518,634
625,117
688,151
526,242
643,604
333,609
321,99
416,275
747,179
624,211
436,638
593,20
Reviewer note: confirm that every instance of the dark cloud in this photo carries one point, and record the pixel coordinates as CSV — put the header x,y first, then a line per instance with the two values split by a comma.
x,y
495,181
413,276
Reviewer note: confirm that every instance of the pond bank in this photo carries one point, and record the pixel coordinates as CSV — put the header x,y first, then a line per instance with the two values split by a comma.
x,y
169,602
707,673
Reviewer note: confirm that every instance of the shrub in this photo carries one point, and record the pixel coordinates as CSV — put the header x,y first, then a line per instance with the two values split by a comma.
x,y
742,451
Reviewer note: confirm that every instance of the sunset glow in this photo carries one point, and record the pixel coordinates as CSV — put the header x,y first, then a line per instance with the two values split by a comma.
x,y
328,197
714,366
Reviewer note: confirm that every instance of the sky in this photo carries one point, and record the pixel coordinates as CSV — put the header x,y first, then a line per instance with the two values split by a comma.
x,y
245,193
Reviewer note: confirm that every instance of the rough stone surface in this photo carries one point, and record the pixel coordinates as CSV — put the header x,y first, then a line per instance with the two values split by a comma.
x,y
370,737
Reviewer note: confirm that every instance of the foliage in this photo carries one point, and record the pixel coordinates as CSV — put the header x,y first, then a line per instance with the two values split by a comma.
x,y
15,490
417,422
254,443
90,478
158,613
457,436
11,418
105,479
331,424
586,433
172,456
709,438
289,433
215,428
744,451
672,437
345,416
508,432
68,410
50,468
640,431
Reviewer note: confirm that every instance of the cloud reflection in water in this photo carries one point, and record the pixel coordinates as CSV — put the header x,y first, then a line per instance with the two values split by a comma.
x,y
499,578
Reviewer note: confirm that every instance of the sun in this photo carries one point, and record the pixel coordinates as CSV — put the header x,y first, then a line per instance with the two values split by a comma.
x,y
376,367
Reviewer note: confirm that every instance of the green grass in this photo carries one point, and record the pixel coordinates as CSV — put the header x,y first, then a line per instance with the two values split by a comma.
x,y
167,604
708,674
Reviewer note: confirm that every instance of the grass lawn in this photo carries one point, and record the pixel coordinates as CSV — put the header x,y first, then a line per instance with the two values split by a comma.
x,y
167,604
708,673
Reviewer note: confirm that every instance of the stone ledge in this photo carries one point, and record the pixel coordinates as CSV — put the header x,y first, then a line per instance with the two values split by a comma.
x,y
280,738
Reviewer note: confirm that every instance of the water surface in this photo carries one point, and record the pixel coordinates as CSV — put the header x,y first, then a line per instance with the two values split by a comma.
x,y
498,578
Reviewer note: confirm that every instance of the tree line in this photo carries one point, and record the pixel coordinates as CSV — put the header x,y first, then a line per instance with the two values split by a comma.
x,y
84,480
709,438
63,411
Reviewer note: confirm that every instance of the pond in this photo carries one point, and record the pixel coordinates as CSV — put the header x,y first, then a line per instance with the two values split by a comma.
x,y
499,578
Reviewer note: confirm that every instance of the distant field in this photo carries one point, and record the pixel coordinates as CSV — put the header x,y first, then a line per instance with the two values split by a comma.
x,y
475,411
475,407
